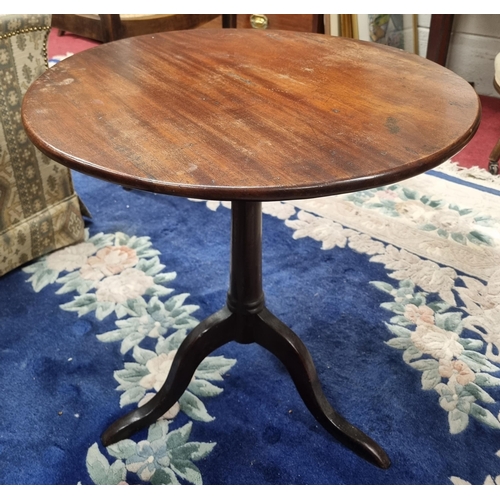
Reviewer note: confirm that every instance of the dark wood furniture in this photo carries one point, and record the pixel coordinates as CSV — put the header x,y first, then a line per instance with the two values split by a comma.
x,y
312,23
249,116
493,159
109,27
439,37
437,50
495,152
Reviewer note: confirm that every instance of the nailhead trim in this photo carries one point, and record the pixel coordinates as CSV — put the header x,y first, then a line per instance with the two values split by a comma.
x,y
25,30
28,30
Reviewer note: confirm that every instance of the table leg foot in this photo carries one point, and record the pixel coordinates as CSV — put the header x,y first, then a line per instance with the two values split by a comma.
x,y
213,332
281,341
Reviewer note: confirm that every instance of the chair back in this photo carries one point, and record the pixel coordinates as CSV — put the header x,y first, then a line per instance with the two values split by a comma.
x,y
39,210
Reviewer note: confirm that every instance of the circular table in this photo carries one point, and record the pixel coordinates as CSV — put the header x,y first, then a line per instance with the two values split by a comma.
x,y
249,116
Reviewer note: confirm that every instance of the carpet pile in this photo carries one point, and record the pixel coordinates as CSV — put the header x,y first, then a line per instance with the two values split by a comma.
x,y
395,291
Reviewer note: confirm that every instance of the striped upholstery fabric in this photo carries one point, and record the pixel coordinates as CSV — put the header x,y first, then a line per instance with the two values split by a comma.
x,y
39,210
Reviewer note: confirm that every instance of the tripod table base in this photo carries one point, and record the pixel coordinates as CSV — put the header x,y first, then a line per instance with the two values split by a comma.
x,y
245,319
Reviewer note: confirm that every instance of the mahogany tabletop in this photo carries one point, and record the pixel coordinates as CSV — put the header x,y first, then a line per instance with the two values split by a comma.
x,y
249,115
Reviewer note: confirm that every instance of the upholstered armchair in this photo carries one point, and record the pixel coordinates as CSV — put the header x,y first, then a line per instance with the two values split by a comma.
x,y
39,209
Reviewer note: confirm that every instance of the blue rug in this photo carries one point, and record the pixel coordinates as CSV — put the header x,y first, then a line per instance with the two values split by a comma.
x,y
395,291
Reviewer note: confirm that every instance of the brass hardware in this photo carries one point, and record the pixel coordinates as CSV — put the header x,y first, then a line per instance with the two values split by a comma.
x,y
259,21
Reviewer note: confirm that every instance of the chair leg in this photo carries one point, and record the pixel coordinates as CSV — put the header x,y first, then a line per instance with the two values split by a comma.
x,y
493,160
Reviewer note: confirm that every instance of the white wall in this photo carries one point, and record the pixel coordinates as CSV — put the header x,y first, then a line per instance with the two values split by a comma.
x,y
475,41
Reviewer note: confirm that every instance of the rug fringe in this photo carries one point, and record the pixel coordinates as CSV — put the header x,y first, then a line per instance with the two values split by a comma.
x,y
475,175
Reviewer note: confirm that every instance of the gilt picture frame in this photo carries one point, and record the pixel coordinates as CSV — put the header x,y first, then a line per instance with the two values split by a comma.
x,y
395,30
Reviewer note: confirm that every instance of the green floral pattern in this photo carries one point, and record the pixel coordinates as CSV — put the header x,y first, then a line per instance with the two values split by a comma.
x,y
159,459
150,371
444,324
448,221
435,341
121,275
454,347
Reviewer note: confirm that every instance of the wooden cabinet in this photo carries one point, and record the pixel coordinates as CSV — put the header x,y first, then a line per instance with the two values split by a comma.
x,y
293,22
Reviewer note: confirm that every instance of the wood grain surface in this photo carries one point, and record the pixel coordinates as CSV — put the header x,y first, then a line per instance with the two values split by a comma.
x,y
249,114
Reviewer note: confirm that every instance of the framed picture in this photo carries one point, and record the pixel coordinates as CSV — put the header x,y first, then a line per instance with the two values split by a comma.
x,y
395,30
